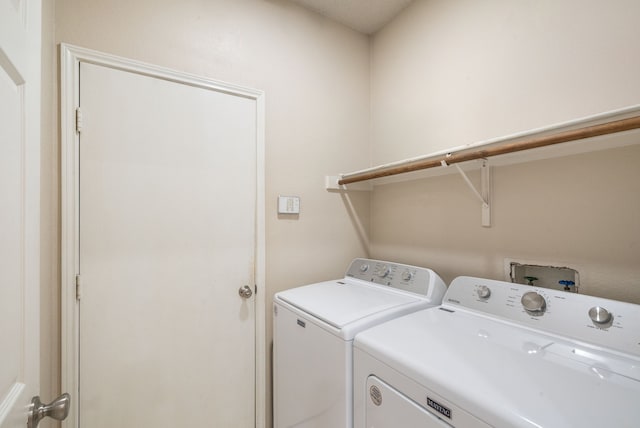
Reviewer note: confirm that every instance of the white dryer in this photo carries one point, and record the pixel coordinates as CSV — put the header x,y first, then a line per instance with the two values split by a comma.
x,y
313,331
497,354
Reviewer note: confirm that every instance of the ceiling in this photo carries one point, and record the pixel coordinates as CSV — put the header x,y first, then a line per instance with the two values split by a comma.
x,y
365,16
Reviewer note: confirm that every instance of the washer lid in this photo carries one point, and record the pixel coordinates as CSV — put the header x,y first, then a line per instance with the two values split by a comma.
x,y
342,302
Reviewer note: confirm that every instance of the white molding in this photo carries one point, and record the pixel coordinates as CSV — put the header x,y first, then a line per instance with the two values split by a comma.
x,y
69,95
261,302
70,59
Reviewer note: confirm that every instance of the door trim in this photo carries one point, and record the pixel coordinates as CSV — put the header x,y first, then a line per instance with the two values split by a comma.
x,y
70,59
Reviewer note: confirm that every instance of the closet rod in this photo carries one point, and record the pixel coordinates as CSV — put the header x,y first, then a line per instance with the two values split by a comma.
x,y
494,150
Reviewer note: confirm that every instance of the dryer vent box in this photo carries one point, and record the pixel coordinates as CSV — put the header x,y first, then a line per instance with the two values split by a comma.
x,y
546,276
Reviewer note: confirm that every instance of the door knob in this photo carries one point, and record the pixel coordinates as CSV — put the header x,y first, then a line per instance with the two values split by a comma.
x,y
245,292
58,409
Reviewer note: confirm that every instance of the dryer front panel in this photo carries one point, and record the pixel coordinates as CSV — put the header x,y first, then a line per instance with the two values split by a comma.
x,y
388,408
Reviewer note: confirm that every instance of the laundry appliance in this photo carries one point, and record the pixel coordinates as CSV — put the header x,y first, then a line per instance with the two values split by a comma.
x,y
314,328
498,354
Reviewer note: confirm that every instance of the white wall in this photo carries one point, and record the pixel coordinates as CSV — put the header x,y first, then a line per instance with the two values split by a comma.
x,y
315,76
449,73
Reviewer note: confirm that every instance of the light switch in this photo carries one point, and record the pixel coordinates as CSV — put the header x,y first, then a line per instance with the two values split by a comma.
x,y
288,205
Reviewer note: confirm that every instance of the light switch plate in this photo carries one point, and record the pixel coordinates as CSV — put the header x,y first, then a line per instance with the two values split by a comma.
x,y
288,205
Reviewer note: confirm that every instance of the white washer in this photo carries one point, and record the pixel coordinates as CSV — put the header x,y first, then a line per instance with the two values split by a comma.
x,y
313,331
497,354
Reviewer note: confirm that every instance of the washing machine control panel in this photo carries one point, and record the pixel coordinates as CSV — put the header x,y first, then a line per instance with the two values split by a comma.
x,y
595,320
415,279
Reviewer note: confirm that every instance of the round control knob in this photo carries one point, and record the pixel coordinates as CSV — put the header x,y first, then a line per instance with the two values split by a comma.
x,y
382,271
533,303
599,315
407,275
484,292
364,268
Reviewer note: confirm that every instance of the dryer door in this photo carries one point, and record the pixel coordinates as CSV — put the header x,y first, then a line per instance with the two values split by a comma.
x,y
388,408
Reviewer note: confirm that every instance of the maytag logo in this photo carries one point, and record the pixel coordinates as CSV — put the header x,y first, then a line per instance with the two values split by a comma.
x,y
439,407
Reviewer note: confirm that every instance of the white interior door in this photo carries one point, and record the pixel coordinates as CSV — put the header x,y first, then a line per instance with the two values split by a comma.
x,y
167,236
20,208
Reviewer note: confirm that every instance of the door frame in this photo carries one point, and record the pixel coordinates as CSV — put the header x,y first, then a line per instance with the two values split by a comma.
x,y
70,59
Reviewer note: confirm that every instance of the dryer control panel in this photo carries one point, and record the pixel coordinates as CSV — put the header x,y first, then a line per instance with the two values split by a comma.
x,y
598,321
415,279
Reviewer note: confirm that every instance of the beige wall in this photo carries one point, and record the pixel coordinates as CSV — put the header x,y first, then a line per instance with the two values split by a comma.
x,y
450,73
315,76
442,74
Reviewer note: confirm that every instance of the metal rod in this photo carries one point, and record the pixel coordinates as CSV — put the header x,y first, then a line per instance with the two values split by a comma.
x,y
497,149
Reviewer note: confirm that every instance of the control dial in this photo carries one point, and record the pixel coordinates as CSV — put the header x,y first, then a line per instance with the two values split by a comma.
x,y
364,268
599,315
407,275
533,303
382,271
483,292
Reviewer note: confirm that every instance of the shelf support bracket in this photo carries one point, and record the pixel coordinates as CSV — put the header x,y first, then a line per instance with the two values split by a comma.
x,y
485,191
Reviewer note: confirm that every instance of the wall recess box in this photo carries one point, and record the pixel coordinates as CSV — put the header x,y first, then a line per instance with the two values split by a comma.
x,y
543,275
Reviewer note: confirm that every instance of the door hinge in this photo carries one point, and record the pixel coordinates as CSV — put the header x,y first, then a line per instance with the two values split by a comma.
x,y
78,287
78,120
